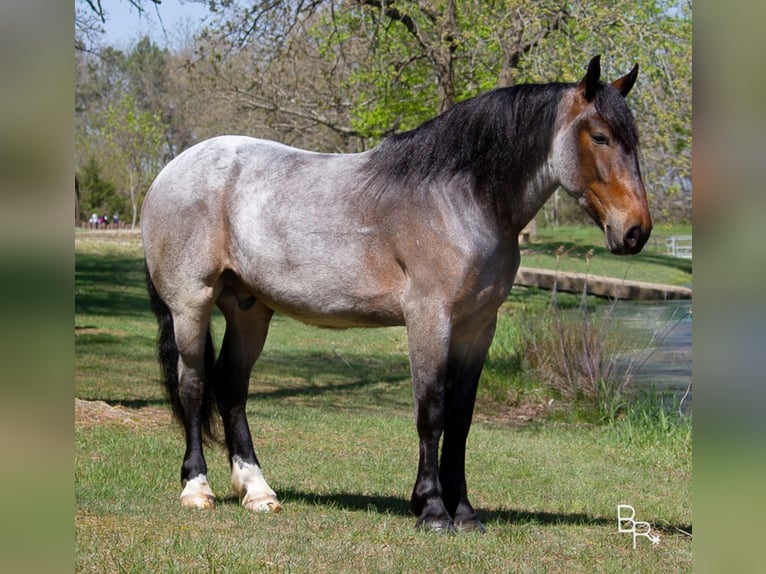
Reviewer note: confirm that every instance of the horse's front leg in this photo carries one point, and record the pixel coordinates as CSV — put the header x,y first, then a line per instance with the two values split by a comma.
x,y
429,348
467,355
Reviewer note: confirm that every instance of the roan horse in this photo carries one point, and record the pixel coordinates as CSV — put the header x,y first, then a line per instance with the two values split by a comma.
x,y
421,231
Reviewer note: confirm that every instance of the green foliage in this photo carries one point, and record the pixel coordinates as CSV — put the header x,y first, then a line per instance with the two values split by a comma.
x,y
652,419
97,195
133,140
406,51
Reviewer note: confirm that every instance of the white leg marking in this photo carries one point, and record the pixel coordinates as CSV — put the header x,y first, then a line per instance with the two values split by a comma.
x,y
249,484
197,493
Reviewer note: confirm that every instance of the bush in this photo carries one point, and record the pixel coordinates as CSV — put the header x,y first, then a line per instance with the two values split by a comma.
x,y
582,356
576,356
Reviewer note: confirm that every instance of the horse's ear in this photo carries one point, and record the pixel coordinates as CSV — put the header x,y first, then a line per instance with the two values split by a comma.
x,y
589,83
625,83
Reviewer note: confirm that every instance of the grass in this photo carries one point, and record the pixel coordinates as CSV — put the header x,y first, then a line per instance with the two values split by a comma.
x,y
331,415
652,264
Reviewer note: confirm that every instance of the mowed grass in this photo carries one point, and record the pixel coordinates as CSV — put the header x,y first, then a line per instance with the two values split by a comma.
x,y
652,264
331,416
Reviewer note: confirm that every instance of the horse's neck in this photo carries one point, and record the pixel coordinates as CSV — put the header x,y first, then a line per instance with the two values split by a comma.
x,y
527,199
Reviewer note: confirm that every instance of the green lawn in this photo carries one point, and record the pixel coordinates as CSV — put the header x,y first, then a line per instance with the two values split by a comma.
x,y
652,264
331,415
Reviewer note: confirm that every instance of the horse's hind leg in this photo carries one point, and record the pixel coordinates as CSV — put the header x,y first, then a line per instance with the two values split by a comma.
x,y
193,401
186,358
247,323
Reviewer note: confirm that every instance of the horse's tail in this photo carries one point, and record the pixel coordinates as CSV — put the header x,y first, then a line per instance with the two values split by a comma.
x,y
168,356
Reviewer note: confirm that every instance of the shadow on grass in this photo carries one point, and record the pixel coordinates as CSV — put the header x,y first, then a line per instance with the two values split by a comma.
x,y
311,375
108,285
326,392
400,507
325,372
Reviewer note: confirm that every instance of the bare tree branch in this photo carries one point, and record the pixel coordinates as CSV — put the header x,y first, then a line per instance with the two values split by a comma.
x,y
98,9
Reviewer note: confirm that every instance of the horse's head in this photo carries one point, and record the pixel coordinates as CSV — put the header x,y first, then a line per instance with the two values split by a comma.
x,y
595,150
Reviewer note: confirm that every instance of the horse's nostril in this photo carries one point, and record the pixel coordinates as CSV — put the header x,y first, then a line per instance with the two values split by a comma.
x,y
632,236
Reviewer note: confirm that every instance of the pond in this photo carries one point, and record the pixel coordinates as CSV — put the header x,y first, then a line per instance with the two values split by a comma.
x,y
663,331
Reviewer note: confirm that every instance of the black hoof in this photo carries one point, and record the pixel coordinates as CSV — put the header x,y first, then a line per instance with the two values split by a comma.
x,y
470,526
438,526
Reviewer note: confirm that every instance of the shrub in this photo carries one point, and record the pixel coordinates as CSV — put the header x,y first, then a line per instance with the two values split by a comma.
x,y
575,355
584,356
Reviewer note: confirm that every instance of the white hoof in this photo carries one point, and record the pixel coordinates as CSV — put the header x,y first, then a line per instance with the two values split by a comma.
x,y
252,489
266,503
198,494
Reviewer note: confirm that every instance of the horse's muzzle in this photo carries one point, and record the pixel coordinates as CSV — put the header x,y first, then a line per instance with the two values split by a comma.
x,y
628,242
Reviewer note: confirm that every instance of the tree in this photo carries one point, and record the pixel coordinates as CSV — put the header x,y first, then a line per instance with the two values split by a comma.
x,y
387,65
96,195
97,8
130,117
425,55
90,14
133,142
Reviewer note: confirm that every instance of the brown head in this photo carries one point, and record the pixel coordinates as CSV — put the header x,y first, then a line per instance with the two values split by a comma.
x,y
596,158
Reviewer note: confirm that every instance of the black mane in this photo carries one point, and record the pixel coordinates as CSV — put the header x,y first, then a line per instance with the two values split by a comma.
x,y
499,139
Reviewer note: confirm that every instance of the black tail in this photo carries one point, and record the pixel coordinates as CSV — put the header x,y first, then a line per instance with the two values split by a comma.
x,y
168,356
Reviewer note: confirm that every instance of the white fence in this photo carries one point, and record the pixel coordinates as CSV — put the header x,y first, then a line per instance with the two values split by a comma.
x,y
679,246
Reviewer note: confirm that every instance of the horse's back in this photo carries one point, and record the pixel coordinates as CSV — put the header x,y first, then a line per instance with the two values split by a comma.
x,y
213,167
202,190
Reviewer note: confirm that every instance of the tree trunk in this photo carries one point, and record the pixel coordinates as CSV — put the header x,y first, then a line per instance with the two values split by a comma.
x,y
443,56
133,202
76,201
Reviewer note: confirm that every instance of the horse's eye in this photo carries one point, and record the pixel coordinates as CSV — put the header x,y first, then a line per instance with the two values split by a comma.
x,y
599,139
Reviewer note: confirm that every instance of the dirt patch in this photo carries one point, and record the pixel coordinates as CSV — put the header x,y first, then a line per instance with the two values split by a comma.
x,y
99,413
528,410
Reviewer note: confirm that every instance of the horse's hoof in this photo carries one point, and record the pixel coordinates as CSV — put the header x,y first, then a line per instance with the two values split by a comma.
x,y
470,526
197,494
437,526
198,500
263,504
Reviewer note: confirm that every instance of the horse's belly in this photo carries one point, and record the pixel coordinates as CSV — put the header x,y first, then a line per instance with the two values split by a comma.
x,y
336,310
329,295
343,319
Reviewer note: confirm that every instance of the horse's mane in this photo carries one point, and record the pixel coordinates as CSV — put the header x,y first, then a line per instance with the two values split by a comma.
x,y
499,139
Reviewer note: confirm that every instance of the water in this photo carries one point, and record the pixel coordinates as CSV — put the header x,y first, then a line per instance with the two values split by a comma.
x,y
663,334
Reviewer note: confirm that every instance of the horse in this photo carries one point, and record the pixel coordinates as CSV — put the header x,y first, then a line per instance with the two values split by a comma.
x,y
421,231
